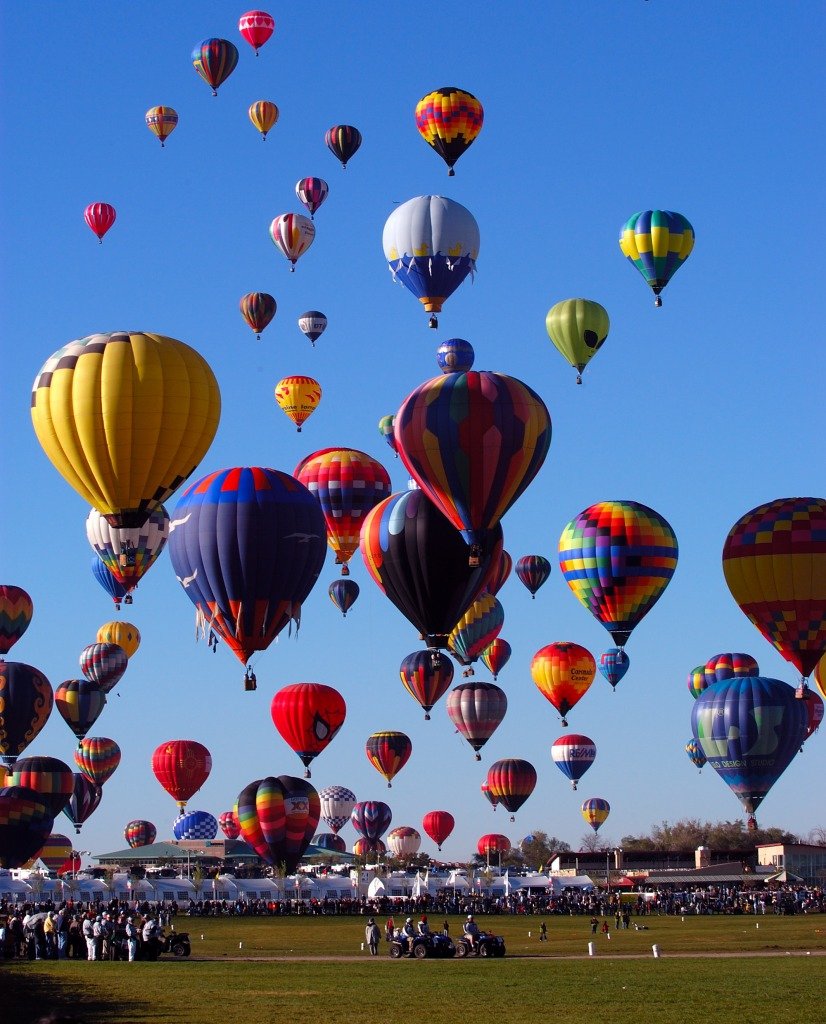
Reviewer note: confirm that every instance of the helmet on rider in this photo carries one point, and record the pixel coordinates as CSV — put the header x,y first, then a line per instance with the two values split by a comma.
x,y
409,920
470,917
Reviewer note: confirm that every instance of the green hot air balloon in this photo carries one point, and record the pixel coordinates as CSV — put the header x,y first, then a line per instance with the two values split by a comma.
x,y
577,327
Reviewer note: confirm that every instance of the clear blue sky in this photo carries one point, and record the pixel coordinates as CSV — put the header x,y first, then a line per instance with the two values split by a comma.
x,y
702,409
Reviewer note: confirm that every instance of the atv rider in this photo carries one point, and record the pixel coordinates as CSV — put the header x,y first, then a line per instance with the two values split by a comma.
x,y
472,932
407,935
423,927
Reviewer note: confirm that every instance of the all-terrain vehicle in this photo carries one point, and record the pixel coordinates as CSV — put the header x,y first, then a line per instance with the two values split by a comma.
x,y
486,945
176,943
423,946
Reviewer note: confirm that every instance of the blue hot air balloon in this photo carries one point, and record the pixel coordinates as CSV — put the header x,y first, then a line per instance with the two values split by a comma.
x,y
695,753
343,593
613,664
111,584
749,728
455,356
195,825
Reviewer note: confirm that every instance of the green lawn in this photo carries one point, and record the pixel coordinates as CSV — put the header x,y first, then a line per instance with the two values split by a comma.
x,y
535,981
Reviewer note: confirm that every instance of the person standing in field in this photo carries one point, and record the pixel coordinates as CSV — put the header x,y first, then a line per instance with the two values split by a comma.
x,y
372,936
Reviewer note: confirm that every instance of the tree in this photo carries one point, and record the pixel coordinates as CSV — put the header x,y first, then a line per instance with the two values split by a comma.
x,y
539,848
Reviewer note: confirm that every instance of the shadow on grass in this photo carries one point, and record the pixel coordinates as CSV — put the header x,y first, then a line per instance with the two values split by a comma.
x,y
29,998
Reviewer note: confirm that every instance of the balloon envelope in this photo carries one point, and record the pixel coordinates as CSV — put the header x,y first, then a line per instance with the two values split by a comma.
x,y
25,824
578,328
256,27
128,553
343,140
595,811
123,634
195,825
16,610
512,780
97,757
371,819
55,851
563,673
104,664
140,833
161,121
229,824
49,777
278,818
388,752
26,700
308,716
477,710
449,120
258,309
80,703
438,825
493,843
214,60
86,796
427,676
403,841
496,655
337,803
613,664
181,767
343,593
657,242
573,755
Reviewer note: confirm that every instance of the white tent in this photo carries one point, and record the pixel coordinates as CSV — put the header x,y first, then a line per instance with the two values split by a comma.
x,y
535,881
169,889
257,889
14,889
89,888
561,882
376,888
455,880
224,887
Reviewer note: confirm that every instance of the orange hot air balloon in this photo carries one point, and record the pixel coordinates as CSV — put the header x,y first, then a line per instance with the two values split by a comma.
x,y
298,398
308,716
562,673
161,121
263,115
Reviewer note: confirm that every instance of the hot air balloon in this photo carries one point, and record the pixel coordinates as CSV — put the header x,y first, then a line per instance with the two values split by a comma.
x,y
312,192
140,833
493,843
128,552
80,703
473,442
195,825
657,242
404,841
819,676
491,798
122,634
618,557
512,780
364,848
55,851
695,752
477,709
421,563
278,818
573,754
337,803
247,547
263,115
25,824
697,681
500,574
595,810
814,710
160,401
256,27
298,398
49,777
181,767
438,825
308,716
347,483
455,356
161,121
729,665
578,328
97,757
16,611
104,664
26,700
386,431
426,676
229,824
371,819
329,841
774,561
113,587
431,245
86,797
312,324
533,571
293,234
100,217
388,752
215,60
449,120
563,673
496,655
613,664
258,309
476,630
342,140
749,728
343,594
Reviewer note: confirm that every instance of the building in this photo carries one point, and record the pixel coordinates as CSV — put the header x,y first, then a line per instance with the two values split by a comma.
x,y
806,861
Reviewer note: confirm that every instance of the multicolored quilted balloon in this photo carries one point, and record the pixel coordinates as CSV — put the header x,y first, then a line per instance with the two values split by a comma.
x,y
104,664
97,757
366,848
449,120
657,242
128,552
337,803
729,666
229,824
695,752
618,557
16,611
774,561
500,574
278,818
215,60
371,819
563,673
25,824
343,594
512,780
55,851
495,656
476,630
427,676
595,811
404,841
696,681
80,703
388,752
477,710
162,122
49,777
140,833
258,309
533,571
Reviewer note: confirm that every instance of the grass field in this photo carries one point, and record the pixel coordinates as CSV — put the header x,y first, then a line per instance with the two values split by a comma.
x,y
622,982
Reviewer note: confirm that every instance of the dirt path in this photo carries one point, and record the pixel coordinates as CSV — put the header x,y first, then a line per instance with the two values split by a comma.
x,y
664,955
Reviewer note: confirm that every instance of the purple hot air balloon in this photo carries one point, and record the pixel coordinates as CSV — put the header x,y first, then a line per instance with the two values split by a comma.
x,y
83,802
26,700
371,819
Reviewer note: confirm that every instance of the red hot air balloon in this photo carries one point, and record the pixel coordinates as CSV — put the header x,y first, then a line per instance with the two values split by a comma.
x,y
256,27
140,833
16,610
512,780
100,217
438,825
496,655
308,716
97,757
181,767
426,676
229,824
388,752
258,309
473,442
500,573
26,701
814,710
493,843
533,571
365,848
477,709
278,818
563,673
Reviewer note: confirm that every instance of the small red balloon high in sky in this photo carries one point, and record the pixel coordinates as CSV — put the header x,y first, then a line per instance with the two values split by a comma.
x,y
256,27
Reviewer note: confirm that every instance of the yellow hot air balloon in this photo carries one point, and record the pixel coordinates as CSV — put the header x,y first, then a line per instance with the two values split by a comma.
x,y
263,115
298,397
161,121
125,418
577,327
124,634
